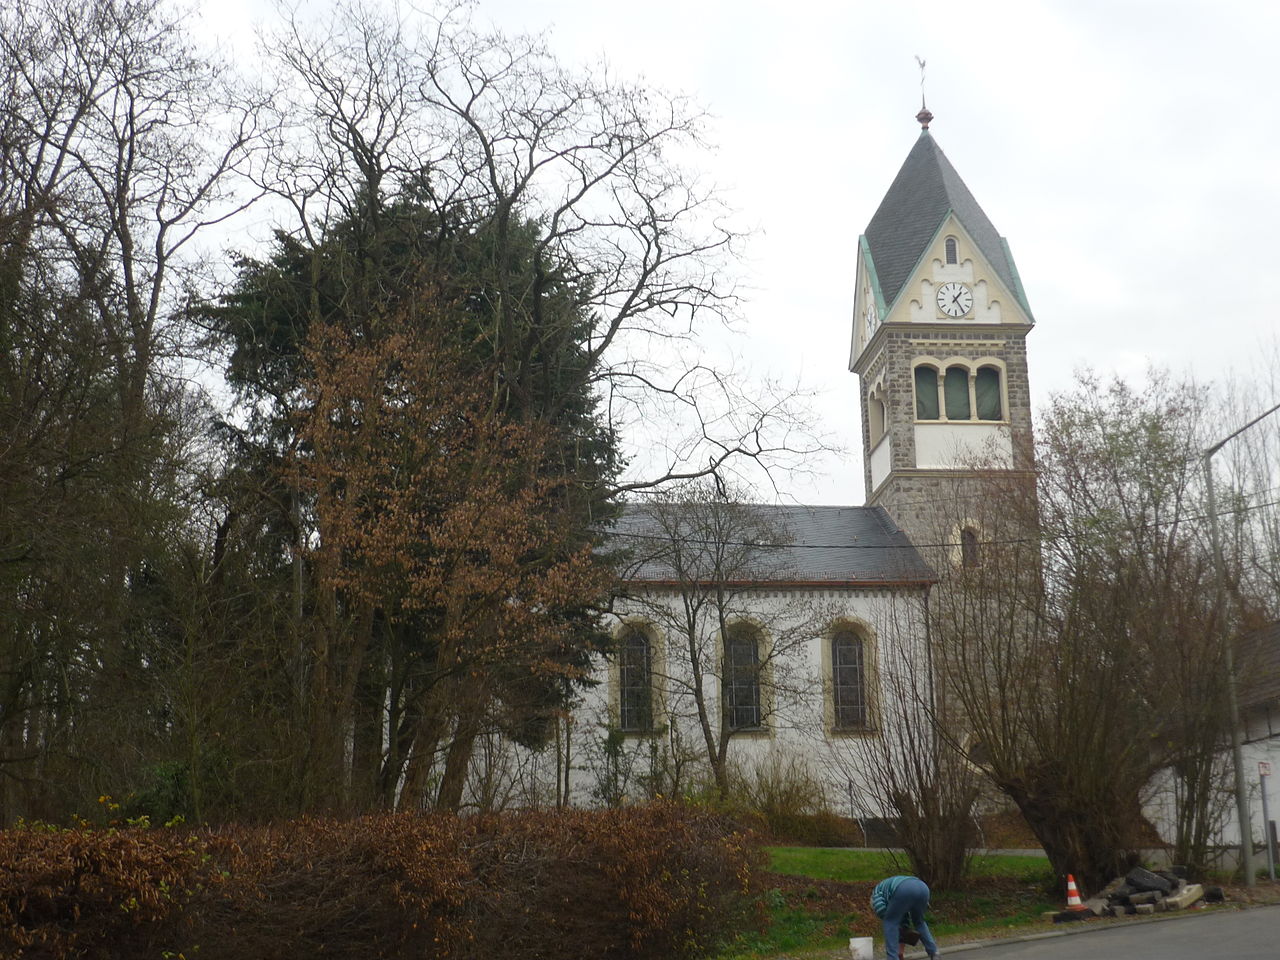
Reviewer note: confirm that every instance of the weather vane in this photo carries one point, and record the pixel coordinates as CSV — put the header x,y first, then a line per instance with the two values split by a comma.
x,y
924,116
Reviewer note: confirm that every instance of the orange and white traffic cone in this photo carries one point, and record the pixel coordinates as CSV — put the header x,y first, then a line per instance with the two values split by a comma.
x,y
1073,895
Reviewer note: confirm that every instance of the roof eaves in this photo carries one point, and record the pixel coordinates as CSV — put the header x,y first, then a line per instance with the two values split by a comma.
x,y
1018,290
880,584
872,276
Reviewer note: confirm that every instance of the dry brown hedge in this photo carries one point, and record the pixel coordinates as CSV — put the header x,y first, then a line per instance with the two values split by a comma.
x,y
660,881
99,893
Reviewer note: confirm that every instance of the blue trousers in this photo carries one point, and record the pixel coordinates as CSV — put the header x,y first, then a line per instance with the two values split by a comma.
x,y
908,901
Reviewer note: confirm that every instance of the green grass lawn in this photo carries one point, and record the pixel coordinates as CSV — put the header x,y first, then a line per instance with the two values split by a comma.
x,y
817,899
851,866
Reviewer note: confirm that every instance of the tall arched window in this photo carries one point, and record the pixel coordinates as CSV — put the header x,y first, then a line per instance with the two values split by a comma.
x,y
926,393
635,681
951,250
742,679
848,680
986,391
969,556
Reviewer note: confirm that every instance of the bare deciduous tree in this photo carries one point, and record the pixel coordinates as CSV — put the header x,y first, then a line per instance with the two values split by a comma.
x,y
909,767
118,145
493,134
733,661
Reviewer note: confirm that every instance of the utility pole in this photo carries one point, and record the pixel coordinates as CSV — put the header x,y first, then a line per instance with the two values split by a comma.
x,y
1233,699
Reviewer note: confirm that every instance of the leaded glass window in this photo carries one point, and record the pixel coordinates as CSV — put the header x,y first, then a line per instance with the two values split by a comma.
x,y
848,681
742,680
635,682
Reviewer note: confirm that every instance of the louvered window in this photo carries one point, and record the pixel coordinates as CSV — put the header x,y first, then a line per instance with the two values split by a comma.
x,y
926,393
986,389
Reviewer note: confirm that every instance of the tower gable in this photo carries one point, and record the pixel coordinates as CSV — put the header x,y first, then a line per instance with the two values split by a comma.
x,y
927,189
954,256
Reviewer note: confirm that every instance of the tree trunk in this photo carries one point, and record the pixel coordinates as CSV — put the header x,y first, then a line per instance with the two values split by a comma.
x,y
458,759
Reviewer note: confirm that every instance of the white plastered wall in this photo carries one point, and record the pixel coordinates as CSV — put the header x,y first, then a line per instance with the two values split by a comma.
x,y
799,729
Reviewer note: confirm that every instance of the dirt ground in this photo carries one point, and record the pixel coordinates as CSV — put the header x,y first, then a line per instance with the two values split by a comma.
x,y
1267,891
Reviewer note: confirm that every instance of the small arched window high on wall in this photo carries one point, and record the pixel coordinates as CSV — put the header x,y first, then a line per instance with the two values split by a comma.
x,y
635,682
952,255
848,680
926,392
742,678
875,417
969,547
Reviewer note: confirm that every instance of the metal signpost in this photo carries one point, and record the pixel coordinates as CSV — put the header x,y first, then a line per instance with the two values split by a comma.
x,y
1264,774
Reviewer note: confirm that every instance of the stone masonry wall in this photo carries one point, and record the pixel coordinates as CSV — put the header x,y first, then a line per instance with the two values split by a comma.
x,y
928,504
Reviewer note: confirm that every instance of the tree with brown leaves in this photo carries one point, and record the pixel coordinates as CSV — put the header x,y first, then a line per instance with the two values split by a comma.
x,y
436,520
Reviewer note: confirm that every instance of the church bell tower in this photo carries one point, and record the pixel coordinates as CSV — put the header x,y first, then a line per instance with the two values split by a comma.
x,y
939,347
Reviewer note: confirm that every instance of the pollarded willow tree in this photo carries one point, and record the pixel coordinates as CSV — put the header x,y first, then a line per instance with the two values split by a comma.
x,y
1080,641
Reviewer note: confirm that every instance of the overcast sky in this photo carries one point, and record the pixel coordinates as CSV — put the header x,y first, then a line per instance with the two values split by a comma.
x,y
1127,149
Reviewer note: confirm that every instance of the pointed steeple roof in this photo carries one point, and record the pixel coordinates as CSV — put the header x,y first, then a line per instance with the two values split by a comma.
x,y
925,190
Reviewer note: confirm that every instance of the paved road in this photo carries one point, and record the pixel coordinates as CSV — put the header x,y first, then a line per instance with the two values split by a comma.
x,y
1252,934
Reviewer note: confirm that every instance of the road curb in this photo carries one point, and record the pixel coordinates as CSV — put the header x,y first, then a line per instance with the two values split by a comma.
x,y
1072,929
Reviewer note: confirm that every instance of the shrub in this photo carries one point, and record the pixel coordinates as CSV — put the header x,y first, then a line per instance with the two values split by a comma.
x,y
781,785
98,893
644,882
655,881
790,804
375,886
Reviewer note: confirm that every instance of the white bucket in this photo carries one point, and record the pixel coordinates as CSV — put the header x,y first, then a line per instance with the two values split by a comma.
x,y
862,948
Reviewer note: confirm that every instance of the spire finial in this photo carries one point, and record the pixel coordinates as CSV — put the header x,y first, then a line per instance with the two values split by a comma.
x,y
924,116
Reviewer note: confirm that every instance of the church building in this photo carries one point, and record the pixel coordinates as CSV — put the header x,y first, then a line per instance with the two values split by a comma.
x,y
764,636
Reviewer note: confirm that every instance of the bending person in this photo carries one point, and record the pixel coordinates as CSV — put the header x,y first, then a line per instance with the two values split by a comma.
x,y
897,901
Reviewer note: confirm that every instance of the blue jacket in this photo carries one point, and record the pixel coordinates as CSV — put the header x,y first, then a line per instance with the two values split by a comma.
x,y
883,892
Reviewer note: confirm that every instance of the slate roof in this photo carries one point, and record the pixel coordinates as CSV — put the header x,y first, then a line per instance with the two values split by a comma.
x,y
825,546
925,190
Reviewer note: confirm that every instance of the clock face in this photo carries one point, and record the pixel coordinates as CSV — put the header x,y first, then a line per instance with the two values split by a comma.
x,y
954,299
873,319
